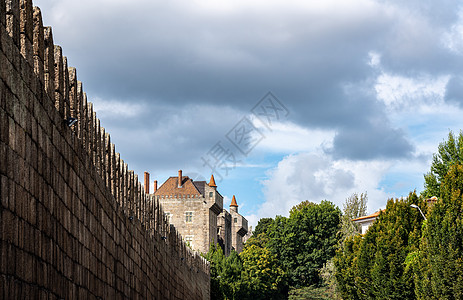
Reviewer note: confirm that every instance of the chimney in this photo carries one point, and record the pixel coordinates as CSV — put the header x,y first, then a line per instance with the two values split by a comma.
x,y
147,183
155,186
179,178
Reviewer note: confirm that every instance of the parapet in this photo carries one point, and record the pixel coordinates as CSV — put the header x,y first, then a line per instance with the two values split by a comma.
x,y
63,98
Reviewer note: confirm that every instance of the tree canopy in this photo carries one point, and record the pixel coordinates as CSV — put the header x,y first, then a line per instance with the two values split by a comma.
x,y
354,206
305,241
439,268
262,226
373,266
449,153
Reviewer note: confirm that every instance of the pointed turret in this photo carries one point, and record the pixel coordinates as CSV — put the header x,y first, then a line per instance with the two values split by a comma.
x,y
212,181
233,205
233,202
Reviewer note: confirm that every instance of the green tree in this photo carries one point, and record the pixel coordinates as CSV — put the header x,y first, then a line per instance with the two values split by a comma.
x,y
260,234
346,269
262,226
310,293
305,241
355,206
226,274
373,266
262,274
440,267
216,258
449,153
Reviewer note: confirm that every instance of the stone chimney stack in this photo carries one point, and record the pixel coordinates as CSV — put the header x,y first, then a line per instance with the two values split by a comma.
x,y
179,178
147,183
155,185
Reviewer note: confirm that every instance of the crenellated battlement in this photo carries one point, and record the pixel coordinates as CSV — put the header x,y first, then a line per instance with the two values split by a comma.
x,y
67,185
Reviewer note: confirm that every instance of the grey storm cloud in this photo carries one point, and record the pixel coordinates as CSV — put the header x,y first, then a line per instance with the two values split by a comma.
x,y
371,142
454,90
154,52
167,136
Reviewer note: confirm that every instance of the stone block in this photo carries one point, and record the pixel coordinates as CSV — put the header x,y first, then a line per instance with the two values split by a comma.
x,y
2,15
26,48
4,191
38,70
4,77
67,112
12,19
20,142
38,34
26,18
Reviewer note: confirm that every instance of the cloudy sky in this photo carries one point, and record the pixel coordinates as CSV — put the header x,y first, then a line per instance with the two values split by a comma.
x,y
362,91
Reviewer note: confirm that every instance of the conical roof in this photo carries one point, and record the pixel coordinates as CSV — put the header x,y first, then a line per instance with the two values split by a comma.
x,y
233,202
212,181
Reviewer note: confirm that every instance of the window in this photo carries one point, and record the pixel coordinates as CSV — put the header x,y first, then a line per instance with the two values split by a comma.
x,y
189,240
235,220
211,194
189,216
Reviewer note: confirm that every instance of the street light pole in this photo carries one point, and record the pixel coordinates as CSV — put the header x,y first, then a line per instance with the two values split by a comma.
x,y
416,206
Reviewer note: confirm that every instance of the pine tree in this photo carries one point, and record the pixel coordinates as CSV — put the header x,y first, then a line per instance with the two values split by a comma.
x,y
440,269
373,266
449,153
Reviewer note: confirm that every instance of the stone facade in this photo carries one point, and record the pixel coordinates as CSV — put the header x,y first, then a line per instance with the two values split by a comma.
x,y
239,227
192,207
224,231
75,221
195,208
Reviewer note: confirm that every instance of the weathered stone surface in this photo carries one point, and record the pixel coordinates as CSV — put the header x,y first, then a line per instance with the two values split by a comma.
x,y
48,61
12,19
75,223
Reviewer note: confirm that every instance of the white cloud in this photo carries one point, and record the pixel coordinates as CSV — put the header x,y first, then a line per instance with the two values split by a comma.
x,y
288,137
453,38
375,59
116,109
315,177
399,92
253,219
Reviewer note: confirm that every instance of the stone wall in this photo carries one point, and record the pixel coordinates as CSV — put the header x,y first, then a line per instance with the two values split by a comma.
x,y
75,221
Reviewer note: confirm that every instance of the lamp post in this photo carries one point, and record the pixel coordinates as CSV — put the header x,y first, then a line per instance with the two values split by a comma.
x,y
416,206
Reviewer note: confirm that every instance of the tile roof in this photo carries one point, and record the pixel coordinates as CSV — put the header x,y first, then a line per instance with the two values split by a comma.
x,y
374,215
170,187
233,202
212,181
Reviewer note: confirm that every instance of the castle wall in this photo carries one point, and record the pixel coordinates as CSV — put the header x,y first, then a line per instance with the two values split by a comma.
x,y
224,223
239,229
198,228
75,221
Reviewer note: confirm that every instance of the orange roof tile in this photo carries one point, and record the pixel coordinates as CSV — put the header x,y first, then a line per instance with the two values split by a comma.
x,y
212,181
368,217
170,187
233,202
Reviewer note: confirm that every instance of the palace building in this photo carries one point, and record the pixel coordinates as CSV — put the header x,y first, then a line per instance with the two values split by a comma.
x,y
195,208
